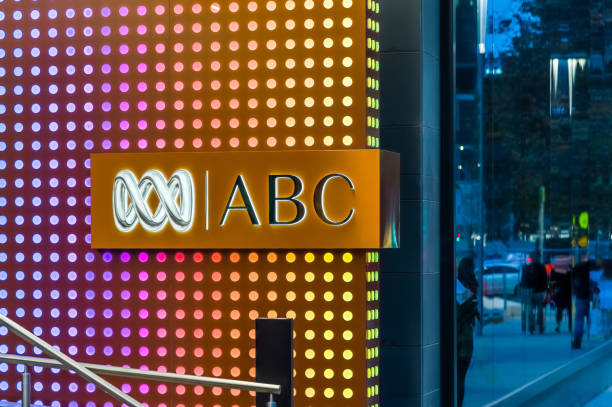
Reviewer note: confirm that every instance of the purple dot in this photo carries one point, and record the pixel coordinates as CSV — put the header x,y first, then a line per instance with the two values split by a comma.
x,y
124,106
124,144
142,143
142,106
90,257
106,87
125,313
124,49
125,276
107,276
126,388
143,295
125,332
108,351
108,332
124,68
142,29
108,294
106,50
143,332
142,48
124,30
106,126
105,12
123,11
142,67
141,10
124,87
143,276
142,86
107,256
106,106
106,69
105,31
142,256
143,314
88,145
125,295
143,351
125,256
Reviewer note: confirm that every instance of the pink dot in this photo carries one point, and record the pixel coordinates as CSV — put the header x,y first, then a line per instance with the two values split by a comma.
x,y
142,124
160,105
160,48
197,142
124,68
142,257
179,143
215,123
124,87
141,10
124,125
160,143
161,256
142,86
234,142
141,48
159,29
124,30
159,10
124,49
123,11
143,276
215,142
142,67
160,124
124,106
142,105
124,144
253,142
160,86
161,351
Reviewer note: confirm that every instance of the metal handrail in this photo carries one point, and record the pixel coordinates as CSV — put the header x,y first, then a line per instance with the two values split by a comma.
x,y
67,362
89,371
147,374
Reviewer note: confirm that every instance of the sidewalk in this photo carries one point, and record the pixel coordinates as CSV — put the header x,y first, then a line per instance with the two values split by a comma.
x,y
603,400
505,359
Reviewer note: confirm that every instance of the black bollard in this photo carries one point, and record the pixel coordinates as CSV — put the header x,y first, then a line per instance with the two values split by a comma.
x,y
274,359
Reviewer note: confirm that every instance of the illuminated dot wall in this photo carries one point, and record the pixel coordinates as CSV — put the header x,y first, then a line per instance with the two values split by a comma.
x,y
82,77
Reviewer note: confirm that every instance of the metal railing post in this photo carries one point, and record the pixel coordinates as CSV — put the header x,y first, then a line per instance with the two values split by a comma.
x,y
271,403
25,389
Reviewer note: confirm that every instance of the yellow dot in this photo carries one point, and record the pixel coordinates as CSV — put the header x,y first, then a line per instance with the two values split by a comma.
x,y
290,83
328,121
347,335
309,82
290,63
347,296
309,334
348,374
309,141
291,314
309,122
347,81
290,102
347,61
310,392
309,102
271,5
328,101
329,393
328,62
328,373
309,373
290,296
290,257
328,23
309,23
347,120
290,24
328,296
347,3
309,296
328,354
347,22
310,354
328,140
347,101
328,82
347,42
328,43
328,315
309,63
272,314
347,354
309,277
347,277
347,257
347,315
309,257
308,43
347,140
309,315
328,277
290,122
328,3
328,335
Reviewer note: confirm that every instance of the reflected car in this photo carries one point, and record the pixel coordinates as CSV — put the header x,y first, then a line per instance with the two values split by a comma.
x,y
501,279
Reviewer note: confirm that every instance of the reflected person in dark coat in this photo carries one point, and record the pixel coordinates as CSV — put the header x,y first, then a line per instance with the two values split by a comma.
x,y
467,314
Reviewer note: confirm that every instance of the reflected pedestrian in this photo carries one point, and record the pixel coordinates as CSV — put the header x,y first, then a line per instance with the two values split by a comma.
x,y
605,299
467,314
582,287
562,290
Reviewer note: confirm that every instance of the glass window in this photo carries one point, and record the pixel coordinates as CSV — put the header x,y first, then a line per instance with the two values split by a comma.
x,y
533,171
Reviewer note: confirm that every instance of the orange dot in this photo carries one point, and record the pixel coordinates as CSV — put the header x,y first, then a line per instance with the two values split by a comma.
x,y
235,333
253,296
216,257
235,314
234,142
253,142
235,295
272,257
234,276
272,276
252,103
216,333
271,141
253,276
253,315
235,372
253,257
252,124
235,353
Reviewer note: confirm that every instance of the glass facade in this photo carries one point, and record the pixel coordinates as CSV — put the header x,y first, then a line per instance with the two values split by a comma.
x,y
533,189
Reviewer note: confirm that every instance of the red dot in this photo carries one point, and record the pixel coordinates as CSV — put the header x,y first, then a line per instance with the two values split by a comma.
x,y
198,257
179,257
216,257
